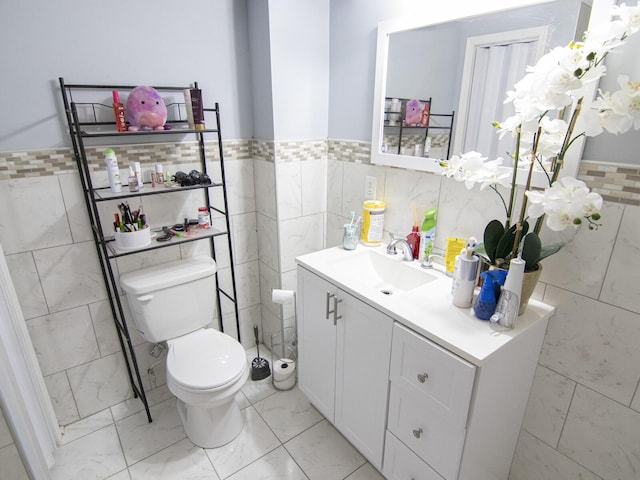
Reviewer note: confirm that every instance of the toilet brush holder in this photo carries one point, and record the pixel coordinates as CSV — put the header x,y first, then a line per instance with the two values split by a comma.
x,y
260,365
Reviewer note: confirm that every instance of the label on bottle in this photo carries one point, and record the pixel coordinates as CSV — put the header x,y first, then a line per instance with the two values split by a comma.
x,y
427,239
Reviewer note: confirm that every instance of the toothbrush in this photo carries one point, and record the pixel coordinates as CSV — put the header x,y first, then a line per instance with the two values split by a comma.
x,y
353,215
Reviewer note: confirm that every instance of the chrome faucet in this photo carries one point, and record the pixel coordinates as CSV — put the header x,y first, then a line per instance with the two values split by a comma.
x,y
407,253
427,261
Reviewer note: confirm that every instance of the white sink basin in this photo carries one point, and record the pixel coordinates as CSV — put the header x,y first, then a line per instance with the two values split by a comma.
x,y
380,272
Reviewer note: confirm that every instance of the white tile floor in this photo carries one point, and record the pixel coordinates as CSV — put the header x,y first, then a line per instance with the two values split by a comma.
x,y
284,438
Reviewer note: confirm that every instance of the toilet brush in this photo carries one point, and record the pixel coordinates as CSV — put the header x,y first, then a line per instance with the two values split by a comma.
x,y
259,366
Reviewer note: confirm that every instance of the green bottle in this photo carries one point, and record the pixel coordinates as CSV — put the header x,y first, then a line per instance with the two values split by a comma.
x,y
428,233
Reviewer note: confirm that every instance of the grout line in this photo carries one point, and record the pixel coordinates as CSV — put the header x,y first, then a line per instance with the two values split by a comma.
x,y
564,423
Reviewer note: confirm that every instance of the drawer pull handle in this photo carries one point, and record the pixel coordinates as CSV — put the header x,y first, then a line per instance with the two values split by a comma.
x,y
417,433
422,377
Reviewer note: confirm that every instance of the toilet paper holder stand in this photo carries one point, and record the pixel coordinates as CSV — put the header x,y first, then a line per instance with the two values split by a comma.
x,y
284,346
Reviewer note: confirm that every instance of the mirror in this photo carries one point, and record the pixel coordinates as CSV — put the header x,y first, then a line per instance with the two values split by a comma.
x,y
424,60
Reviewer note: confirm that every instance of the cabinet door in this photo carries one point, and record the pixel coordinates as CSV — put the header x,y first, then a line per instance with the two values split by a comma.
x,y
362,375
317,342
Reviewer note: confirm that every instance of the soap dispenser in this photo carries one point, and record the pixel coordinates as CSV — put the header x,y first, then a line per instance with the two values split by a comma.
x,y
465,275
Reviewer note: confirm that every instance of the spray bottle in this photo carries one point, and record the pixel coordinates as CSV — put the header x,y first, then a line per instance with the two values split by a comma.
x,y
113,172
428,233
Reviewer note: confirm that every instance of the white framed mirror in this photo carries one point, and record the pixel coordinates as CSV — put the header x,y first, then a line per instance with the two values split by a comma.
x,y
439,74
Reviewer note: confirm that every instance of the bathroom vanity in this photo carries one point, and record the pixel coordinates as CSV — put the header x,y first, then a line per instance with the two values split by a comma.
x,y
423,389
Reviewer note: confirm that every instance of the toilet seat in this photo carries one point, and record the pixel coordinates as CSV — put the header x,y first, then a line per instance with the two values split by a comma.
x,y
205,360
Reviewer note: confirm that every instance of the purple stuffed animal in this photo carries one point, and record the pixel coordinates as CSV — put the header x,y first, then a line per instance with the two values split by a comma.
x,y
145,110
414,113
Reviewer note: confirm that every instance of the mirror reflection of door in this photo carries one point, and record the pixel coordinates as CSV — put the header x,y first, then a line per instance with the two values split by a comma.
x,y
493,64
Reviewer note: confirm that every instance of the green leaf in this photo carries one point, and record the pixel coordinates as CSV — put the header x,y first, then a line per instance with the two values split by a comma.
x,y
493,232
531,248
506,242
550,249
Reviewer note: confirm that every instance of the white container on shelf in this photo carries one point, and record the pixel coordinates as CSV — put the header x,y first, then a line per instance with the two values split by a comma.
x,y
126,241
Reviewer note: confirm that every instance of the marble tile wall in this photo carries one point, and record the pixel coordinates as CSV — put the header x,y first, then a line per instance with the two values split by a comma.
x,y
290,206
54,265
585,396
583,416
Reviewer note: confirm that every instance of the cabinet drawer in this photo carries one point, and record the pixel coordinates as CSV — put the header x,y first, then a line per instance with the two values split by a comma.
x,y
400,463
429,436
442,380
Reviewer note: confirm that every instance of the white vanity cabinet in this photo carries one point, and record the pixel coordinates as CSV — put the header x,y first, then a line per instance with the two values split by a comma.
x,y
343,366
423,389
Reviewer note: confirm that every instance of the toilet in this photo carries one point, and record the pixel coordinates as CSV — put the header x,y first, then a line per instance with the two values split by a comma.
x,y
173,302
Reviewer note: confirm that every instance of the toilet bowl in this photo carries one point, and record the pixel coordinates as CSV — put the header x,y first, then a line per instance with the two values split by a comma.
x,y
205,371
205,368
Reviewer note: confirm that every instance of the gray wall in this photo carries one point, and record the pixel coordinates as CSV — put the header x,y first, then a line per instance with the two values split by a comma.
x,y
68,38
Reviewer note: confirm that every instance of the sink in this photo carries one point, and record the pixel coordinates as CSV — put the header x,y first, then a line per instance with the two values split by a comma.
x,y
380,272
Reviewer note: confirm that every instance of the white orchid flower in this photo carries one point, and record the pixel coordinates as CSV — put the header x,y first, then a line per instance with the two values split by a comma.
x,y
629,16
564,203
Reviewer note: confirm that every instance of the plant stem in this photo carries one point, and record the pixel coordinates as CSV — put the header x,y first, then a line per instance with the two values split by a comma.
x,y
504,204
523,208
512,194
567,142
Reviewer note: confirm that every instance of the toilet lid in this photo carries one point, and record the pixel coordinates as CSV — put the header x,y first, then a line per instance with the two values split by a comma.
x,y
205,359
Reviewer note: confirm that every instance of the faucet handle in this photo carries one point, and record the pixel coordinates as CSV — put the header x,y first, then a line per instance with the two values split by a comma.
x,y
427,261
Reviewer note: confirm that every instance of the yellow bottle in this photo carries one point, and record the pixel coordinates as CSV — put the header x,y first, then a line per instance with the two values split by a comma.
x,y
372,222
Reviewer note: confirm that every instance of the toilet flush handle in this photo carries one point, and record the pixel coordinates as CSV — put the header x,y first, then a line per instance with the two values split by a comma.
x,y
145,298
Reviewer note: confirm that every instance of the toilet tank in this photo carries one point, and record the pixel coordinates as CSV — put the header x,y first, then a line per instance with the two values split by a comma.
x,y
171,299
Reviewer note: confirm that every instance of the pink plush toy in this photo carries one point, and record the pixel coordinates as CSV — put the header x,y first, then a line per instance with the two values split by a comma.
x,y
414,113
145,110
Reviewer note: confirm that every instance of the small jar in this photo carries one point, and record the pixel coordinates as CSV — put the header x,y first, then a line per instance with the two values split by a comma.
x,y
133,183
204,219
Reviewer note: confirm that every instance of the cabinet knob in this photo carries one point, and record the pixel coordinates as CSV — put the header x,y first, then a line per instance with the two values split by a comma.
x,y
422,377
417,433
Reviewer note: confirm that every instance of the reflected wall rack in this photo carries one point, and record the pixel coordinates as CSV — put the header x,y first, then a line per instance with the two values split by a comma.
x,y
398,136
88,118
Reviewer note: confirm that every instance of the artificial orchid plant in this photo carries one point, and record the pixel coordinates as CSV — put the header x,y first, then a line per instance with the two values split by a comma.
x,y
547,103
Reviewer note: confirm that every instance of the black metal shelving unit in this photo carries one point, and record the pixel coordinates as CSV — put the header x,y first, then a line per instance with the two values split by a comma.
x,y
91,125
443,122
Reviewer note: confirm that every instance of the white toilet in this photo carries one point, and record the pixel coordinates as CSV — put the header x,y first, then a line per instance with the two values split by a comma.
x,y
205,368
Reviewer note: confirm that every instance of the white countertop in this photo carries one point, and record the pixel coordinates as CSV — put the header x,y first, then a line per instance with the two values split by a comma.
x,y
426,309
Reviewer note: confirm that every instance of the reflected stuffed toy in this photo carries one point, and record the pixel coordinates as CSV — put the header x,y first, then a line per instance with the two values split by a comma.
x,y
414,113
145,110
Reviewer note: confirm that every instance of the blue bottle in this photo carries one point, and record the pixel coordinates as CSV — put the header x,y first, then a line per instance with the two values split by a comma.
x,y
487,299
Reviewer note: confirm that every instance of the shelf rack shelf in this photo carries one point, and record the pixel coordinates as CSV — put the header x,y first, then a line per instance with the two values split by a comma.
x,y
95,123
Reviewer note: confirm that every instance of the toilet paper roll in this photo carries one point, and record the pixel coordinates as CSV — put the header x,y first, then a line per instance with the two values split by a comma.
x,y
283,297
287,384
283,370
